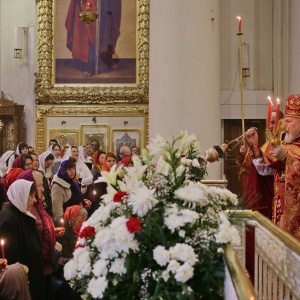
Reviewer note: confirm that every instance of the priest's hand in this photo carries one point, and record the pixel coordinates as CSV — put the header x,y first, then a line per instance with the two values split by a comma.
x,y
252,136
279,152
243,150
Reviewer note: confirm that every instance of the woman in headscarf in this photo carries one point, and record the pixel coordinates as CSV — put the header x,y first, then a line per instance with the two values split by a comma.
x,y
22,148
35,161
109,160
65,189
4,162
84,175
55,149
98,161
44,224
74,217
18,229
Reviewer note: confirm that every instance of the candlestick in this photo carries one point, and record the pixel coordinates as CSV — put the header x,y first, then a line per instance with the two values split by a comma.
x,y
269,113
239,24
2,247
62,223
277,115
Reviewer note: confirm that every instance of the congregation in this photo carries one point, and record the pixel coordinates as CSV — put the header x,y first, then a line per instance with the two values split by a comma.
x,y
44,200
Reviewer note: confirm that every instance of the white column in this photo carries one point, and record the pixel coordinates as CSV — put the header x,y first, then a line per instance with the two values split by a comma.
x,y
185,71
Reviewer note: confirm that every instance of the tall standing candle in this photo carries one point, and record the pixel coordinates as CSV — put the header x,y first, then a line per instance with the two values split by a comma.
x,y
2,248
277,114
239,24
269,113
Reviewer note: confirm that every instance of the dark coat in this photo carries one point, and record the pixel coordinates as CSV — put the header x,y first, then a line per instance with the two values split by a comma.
x,y
68,241
23,245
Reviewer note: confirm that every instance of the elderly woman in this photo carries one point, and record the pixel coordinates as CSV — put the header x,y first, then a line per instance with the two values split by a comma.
x,y
22,241
74,217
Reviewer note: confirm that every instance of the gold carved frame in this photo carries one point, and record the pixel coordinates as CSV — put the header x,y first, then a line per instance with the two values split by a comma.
x,y
45,111
47,92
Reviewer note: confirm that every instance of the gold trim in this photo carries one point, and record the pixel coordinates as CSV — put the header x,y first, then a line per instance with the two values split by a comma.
x,y
242,284
136,130
84,110
47,92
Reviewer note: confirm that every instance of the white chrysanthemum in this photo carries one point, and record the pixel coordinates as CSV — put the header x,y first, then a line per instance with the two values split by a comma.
x,y
105,243
173,266
82,256
195,163
228,234
181,233
158,145
184,273
141,200
171,209
97,286
189,216
184,253
192,194
100,267
185,161
70,269
173,221
161,255
118,267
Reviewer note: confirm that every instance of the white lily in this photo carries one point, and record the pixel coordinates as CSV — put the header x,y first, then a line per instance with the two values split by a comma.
x,y
111,176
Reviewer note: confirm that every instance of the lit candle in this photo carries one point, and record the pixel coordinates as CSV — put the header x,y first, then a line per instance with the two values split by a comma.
x,y
2,247
239,24
62,223
94,195
269,113
277,115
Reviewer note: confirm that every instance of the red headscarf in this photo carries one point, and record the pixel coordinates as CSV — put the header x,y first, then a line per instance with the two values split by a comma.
x,y
72,212
12,176
105,166
48,234
17,162
126,160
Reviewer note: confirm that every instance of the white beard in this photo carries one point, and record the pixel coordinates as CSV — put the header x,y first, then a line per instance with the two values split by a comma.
x,y
288,138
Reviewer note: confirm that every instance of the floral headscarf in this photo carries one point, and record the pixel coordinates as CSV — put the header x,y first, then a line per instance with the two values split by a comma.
x,y
71,213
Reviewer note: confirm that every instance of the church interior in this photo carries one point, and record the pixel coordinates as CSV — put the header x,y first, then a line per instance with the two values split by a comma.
x,y
176,66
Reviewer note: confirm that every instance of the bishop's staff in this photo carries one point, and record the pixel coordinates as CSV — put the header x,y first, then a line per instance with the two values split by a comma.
x,y
239,34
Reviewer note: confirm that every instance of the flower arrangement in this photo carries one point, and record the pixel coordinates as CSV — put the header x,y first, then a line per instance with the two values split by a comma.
x,y
159,233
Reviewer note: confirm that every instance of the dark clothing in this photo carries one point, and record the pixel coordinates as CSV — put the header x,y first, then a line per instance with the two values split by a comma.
x,y
23,245
68,241
76,198
47,197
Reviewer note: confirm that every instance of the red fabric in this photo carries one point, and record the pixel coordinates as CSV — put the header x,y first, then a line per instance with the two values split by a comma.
x,y
12,176
126,160
72,212
48,235
78,33
17,162
105,166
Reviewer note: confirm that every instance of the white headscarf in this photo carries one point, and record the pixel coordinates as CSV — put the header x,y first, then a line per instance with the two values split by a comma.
x,y
4,159
18,194
42,159
81,154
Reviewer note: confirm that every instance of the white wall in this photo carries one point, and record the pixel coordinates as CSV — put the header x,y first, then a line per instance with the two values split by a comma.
x,y
185,71
17,75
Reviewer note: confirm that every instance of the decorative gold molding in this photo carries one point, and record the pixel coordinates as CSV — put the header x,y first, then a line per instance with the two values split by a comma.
x,y
46,90
45,111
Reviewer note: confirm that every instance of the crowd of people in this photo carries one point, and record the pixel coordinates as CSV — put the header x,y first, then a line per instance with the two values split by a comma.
x,y
44,199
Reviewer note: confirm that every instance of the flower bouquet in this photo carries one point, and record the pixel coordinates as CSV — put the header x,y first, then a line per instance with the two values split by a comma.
x,y
159,233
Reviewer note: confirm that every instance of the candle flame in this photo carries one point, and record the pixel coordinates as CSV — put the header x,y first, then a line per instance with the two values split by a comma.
x,y
238,18
2,242
94,192
269,97
278,100
62,221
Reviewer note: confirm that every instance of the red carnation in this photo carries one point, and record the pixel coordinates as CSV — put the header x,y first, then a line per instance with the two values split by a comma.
x,y
134,225
87,231
118,197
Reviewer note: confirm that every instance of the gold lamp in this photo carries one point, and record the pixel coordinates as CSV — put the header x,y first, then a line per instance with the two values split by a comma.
x,y
88,16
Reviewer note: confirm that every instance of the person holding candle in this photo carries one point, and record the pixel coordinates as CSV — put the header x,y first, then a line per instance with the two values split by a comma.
x,y
74,216
22,241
